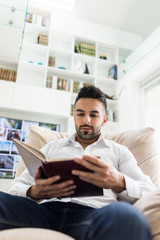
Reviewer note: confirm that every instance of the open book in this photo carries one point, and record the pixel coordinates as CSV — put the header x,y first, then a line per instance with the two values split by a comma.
x,y
34,158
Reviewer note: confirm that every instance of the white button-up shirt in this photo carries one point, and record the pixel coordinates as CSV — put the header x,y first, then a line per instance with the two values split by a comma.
x,y
137,184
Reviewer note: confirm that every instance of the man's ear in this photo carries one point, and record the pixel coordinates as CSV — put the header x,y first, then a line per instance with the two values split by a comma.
x,y
105,120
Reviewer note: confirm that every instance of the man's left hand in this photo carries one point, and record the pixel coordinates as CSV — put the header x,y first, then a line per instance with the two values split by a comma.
x,y
104,175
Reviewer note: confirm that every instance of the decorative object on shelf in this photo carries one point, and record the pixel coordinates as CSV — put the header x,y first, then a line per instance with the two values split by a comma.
x,y
112,72
109,97
86,71
45,22
30,61
88,84
51,61
103,56
79,67
63,68
42,39
8,74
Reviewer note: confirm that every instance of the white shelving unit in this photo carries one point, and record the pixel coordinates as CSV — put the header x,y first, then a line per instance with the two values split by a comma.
x,y
30,93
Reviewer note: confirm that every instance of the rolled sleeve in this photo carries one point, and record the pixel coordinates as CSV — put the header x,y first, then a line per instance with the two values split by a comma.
x,y
21,184
135,189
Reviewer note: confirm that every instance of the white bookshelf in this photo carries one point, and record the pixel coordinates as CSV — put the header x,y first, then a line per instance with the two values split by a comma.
x,y
30,94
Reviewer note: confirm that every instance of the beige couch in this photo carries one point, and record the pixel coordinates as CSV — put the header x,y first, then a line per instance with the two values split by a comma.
x,y
143,146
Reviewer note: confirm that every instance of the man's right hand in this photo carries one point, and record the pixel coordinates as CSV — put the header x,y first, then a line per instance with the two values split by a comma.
x,y
48,188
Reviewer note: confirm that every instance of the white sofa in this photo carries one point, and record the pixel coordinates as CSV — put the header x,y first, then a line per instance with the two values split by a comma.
x,y
143,146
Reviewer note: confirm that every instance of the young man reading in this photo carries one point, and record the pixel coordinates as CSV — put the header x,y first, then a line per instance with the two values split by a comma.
x,y
113,168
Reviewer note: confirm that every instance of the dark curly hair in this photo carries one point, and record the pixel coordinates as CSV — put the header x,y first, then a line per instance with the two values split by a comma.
x,y
92,92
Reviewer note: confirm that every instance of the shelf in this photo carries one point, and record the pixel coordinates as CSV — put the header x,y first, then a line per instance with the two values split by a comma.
x,y
72,75
104,80
111,101
8,63
31,28
34,47
84,57
105,63
60,51
33,66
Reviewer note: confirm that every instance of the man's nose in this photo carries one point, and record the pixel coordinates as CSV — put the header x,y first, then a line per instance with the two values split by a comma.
x,y
87,119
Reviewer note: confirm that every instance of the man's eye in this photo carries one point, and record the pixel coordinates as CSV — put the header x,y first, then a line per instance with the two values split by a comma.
x,y
80,114
93,115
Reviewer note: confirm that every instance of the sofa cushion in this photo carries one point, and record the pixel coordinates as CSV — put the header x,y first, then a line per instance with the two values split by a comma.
x,y
32,234
150,206
140,142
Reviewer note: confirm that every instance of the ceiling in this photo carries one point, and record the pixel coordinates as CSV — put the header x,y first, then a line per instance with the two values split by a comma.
x,y
140,17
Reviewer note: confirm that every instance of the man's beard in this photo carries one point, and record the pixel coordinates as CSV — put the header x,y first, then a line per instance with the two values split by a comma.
x,y
85,134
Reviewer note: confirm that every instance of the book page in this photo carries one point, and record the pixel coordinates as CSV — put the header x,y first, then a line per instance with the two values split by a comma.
x,y
35,151
32,157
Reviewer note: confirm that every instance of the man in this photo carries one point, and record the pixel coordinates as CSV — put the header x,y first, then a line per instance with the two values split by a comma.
x,y
114,169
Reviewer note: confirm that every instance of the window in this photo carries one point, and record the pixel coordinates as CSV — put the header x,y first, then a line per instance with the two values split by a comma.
x,y
152,103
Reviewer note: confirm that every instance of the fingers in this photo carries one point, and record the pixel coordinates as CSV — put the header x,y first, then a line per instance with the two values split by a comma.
x,y
58,190
93,163
49,188
95,160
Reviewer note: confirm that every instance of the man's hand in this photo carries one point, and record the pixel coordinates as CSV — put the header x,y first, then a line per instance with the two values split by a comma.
x,y
104,175
49,188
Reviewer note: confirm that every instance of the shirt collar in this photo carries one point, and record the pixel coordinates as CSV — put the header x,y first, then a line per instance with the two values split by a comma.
x,y
100,140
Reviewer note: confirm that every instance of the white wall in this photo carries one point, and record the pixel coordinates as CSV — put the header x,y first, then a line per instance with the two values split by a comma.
x,y
97,32
131,108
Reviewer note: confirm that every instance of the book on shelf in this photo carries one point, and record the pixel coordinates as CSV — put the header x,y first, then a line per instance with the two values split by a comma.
x,y
87,49
84,48
58,83
49,82
63,84
8,74
34,159
72,110
115,116
29,17
37,19
76,86
51,61
110,115
77,50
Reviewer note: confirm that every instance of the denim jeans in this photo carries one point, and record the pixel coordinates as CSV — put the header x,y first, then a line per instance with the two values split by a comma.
x,y
117,221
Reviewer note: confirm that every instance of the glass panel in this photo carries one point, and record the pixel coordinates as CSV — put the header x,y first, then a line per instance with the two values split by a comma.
x,y
12,17
152,99
12,23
